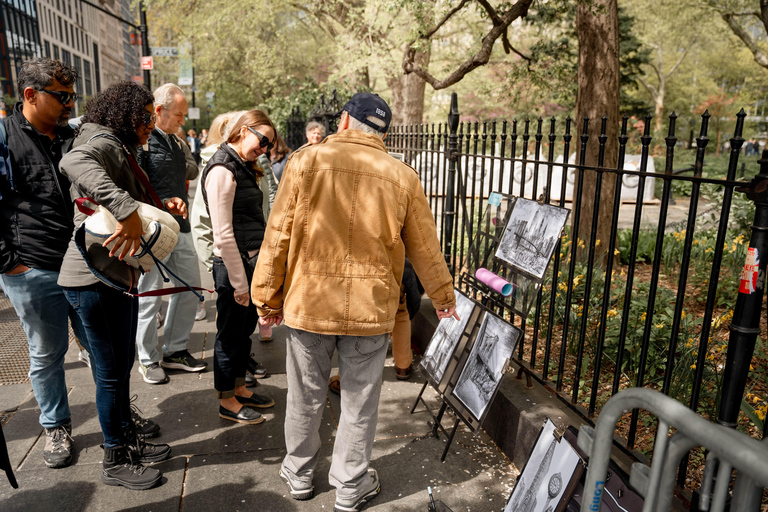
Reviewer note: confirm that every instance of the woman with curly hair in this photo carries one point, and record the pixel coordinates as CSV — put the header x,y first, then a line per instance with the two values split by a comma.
x,y
102,167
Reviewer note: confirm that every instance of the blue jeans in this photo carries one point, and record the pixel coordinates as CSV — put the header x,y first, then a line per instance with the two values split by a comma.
x,y
109,318
43,310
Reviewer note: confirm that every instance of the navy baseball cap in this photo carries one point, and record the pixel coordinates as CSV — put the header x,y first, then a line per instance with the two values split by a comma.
x,y
364,104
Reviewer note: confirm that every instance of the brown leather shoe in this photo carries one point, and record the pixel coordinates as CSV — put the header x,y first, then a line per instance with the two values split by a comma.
x,y
403,373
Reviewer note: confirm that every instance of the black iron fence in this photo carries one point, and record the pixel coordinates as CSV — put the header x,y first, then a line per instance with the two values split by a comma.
x,y
326,112
654,311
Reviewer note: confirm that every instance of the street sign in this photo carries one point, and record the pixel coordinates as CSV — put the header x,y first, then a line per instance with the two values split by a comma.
x,y
163,51
146,63
186,69
193,113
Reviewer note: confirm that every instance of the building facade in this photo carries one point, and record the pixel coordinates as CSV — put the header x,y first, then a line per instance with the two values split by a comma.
x,y
95,43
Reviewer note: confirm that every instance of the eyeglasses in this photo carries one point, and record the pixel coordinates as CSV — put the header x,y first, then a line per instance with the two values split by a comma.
x,y
149,118
63,96
263,141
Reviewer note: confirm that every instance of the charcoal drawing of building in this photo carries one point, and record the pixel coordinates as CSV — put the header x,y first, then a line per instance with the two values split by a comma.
x,y
525,501
531,235
446,337
482,372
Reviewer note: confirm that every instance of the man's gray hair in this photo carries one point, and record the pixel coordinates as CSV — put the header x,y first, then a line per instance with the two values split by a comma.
x,y
40,72
354,124
166,94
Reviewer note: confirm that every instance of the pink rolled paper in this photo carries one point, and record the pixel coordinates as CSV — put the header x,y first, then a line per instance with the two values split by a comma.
x,y
495,282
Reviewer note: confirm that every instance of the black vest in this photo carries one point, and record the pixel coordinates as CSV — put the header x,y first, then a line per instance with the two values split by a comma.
x,y
247,218
166,167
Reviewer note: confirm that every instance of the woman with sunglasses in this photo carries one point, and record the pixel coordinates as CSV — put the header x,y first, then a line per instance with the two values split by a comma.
x,y
230,186
102,167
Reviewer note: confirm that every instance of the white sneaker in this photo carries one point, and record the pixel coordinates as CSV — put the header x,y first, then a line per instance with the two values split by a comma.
x,y
200,314
84,358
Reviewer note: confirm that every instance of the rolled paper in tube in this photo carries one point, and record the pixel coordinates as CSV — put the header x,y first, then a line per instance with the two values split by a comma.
x,y
494,282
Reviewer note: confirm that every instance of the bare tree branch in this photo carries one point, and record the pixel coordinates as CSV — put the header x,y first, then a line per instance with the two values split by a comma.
x,y
483,55
648,87
682,57
757,53
442,22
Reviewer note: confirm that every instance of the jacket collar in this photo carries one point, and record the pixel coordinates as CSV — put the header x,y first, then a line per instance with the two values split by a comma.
x,y
357,137
65,133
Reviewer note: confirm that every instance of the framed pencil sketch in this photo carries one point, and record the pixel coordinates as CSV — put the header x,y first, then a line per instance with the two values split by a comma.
x,y
445,340
530,236
543,481
481,374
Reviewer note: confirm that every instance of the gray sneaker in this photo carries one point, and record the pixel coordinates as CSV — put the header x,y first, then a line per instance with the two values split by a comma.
x,y
58,446
153,374
357,501
299,490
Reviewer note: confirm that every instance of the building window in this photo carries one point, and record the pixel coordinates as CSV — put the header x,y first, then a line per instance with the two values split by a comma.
x,y
55,52
79,81
87,78
47,49
61,30
66,58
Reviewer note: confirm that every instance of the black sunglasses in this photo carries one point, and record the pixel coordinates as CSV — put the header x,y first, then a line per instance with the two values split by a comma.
x,y
263,141
63,96
149,118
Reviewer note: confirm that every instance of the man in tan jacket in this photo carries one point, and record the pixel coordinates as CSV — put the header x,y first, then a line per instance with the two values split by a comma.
x,y
331,265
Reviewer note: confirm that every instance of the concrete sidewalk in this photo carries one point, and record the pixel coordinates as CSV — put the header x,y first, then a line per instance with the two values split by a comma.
x,y
217,465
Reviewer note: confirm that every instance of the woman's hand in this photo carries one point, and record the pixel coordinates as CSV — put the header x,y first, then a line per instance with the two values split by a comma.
x,y
448,313
243,299
272,320
128,236
176,206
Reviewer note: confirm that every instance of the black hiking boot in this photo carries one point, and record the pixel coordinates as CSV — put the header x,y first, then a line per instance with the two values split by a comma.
x,y
121,467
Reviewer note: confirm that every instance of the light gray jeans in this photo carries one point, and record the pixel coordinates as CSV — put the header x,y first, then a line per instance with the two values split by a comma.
x,y
308,366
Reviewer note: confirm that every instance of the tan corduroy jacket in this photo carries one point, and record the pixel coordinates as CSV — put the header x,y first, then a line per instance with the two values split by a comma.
x,y
333,253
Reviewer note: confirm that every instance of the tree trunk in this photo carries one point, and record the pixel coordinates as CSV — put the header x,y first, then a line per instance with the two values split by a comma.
x,y
598,79
658,111
408,94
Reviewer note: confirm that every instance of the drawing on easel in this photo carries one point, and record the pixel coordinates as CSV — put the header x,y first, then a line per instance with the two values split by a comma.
x,y
446,337
482,372
541,485
530,236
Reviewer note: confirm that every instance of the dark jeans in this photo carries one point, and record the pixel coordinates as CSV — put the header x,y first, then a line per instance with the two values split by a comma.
x,y
109,318
234,326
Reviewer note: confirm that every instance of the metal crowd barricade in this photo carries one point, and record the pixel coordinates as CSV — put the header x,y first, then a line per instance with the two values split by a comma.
x,y
728,450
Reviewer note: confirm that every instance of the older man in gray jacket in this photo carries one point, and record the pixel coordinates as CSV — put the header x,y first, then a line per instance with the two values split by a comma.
x,y
169,164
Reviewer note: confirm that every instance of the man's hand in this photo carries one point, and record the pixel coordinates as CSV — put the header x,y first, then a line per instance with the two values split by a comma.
x,y
18,269
244,299
177,206
447,313
128,236
272,320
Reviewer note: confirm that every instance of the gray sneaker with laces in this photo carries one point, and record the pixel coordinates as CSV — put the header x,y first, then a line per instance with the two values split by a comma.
x,y
58,446
153,374
357,501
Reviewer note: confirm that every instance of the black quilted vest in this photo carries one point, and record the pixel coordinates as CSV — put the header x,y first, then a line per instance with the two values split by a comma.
x,y
166,167
247,218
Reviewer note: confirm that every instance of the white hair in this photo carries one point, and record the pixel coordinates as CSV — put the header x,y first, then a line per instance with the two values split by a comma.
x,y
354,124
165,95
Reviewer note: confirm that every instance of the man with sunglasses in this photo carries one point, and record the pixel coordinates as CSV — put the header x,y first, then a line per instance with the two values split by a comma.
x,y
169,164
35,227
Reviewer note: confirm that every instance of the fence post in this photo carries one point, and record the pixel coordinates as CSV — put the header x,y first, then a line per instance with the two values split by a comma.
x,y
449,208
746,315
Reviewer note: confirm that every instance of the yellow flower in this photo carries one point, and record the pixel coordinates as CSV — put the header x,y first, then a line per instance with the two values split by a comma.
x,y
642,317
611,313
597,242
659,326
682,314
581,243
693,366
760,415
616,252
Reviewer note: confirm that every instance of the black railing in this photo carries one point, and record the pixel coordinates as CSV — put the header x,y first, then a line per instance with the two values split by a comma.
x,y
568,344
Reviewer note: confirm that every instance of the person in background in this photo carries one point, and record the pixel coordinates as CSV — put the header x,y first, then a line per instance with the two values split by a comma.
x,y
103,168
230,185
194,145
315,132
279,156
203,138
164,158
